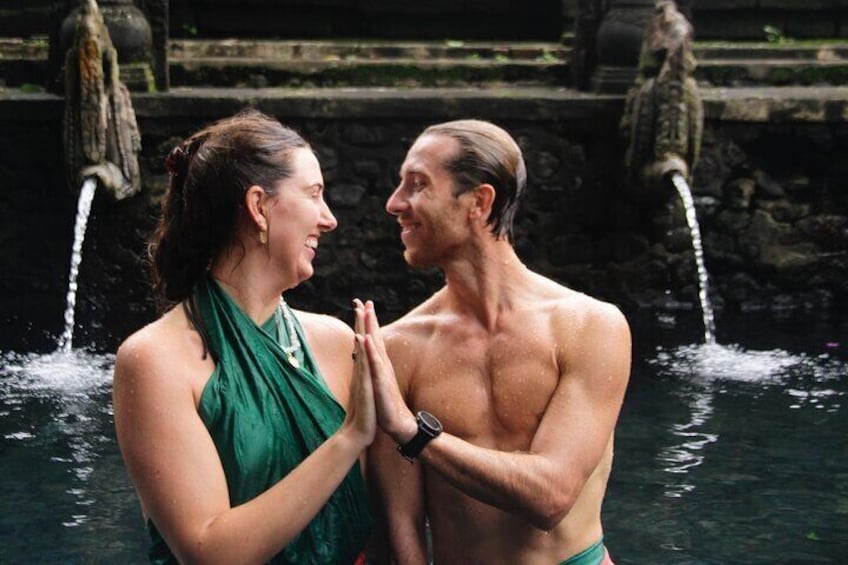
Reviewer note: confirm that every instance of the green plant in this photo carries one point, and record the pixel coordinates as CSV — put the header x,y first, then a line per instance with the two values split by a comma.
x,y
774,35
30,88
546,57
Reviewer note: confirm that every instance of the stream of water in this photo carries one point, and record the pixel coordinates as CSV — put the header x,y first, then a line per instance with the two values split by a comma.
x,y
703,278
83,210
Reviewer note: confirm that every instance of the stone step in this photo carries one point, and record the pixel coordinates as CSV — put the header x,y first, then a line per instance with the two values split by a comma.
x,y
776,64
365,63
261,63
809,51
760,104
775,72
228,71
328,50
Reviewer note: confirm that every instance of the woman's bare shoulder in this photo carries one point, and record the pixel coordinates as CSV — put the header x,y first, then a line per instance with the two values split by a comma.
x,y
161,350
324,326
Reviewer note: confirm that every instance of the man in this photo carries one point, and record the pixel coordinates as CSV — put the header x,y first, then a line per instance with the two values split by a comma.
x,y
525,376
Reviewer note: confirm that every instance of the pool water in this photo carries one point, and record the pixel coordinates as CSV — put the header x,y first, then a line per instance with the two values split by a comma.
x,y
729,453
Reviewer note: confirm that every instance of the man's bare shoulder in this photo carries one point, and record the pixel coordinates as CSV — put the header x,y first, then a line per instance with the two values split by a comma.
x,y
574,307
420,321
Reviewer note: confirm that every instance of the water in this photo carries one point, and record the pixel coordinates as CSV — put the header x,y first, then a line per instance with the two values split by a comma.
x,y
66,497
734,453
703,280
725,453
83,209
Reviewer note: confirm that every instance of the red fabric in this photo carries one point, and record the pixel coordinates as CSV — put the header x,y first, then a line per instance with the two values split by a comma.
x,y
360,559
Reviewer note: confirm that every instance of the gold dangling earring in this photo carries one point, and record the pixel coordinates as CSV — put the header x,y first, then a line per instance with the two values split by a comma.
x,y
263,237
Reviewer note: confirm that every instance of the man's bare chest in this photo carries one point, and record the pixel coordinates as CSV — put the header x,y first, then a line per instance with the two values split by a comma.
x,y
489,391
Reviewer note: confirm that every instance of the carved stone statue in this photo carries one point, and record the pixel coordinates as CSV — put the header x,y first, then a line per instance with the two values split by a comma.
x,y
100,131
663,117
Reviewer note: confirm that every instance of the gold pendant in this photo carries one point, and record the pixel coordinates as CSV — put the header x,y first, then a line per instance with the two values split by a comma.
x,y
294,362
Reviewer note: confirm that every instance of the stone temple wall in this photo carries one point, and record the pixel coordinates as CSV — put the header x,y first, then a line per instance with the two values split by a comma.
x,y
440,19
771,199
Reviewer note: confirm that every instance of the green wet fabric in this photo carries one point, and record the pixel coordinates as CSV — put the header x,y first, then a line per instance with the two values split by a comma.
x,y
265,417
592,555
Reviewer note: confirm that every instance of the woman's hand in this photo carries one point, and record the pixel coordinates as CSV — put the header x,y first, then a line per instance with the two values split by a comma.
x,y
361,414
393,415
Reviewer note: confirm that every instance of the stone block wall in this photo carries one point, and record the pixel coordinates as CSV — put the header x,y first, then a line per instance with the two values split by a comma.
x,y
771,200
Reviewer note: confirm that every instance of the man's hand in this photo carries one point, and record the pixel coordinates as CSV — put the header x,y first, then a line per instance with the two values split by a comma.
x,y
393,415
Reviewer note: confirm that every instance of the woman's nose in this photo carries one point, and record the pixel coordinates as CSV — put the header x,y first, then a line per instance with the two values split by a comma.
x,y
328,220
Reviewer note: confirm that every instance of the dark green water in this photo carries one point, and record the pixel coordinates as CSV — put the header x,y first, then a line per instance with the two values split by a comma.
x,y
724,454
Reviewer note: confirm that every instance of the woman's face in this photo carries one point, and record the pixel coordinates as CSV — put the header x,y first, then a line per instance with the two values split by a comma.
x,y
297,216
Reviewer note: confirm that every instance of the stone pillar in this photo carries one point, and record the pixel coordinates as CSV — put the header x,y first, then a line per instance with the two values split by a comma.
x,y
131,35
619,44
587,20
157,15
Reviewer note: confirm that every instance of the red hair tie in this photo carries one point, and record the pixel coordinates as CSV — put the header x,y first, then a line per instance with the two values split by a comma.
x,y
177,161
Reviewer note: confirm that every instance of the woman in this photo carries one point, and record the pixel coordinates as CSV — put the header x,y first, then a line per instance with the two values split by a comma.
x,y
241,423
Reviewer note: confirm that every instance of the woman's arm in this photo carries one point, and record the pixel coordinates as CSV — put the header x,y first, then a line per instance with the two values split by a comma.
x,y
178,474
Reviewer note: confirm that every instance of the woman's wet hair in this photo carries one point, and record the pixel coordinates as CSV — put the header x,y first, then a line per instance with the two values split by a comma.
x,y
487,155
208,176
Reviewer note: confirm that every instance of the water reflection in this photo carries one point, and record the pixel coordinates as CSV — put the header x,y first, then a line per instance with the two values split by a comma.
x,y
704,371
55,403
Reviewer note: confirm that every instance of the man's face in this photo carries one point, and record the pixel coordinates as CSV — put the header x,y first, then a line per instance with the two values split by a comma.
x,y
433,221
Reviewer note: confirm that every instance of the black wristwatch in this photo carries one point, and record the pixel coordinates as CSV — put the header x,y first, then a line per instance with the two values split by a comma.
x,y
429,427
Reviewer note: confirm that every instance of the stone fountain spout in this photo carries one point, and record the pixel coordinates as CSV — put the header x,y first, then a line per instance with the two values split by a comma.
x,y
663,117
101,136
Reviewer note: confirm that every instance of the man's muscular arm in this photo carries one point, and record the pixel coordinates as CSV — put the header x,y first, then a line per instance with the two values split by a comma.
x,y
543,483
399,488
398,485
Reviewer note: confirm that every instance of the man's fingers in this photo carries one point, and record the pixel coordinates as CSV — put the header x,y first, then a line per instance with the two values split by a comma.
x,y
375,357
373,327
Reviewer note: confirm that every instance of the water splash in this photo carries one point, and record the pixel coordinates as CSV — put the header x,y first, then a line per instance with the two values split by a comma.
x,y
59,399
705,364
703,280
60,374
83,210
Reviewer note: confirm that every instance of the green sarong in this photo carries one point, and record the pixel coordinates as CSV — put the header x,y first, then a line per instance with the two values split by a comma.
x,y
265,417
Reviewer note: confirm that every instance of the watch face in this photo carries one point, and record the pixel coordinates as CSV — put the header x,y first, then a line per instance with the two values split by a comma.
x,y
430,422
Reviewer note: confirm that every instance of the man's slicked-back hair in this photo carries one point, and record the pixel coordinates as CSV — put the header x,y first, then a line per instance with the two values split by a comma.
x,y
487,155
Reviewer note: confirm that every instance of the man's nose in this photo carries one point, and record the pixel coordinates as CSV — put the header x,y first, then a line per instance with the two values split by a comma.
x,y
396,203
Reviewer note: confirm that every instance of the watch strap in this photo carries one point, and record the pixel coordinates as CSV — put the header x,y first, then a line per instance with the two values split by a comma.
x,y
425,435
